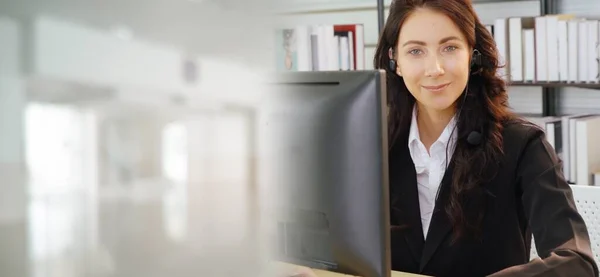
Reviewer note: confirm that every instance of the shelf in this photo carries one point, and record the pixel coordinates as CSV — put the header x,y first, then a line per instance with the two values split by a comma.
x,y
497,1
557,85
318,6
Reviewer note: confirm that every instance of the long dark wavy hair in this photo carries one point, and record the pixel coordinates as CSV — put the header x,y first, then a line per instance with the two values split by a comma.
x,y
483,109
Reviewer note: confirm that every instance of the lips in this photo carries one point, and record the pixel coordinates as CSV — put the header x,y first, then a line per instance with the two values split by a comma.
x,y
436,87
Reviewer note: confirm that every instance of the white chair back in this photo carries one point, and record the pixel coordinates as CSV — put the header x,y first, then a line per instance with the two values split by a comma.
x,y
587,200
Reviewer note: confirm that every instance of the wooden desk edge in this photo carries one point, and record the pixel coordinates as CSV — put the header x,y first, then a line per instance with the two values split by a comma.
x,y
323,273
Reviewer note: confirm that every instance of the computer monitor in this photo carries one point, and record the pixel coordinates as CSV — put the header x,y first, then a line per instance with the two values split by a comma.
x,y
330,168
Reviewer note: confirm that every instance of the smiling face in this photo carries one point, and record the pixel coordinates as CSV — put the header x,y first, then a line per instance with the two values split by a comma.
x,y
433,59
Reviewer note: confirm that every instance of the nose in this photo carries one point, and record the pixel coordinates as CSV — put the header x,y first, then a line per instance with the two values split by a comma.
x,y
434,67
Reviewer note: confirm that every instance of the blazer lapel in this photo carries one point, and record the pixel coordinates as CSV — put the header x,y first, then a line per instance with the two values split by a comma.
x,y
440,225
405,200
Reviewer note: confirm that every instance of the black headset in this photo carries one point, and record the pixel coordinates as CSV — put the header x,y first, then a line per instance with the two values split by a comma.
x,y
475,137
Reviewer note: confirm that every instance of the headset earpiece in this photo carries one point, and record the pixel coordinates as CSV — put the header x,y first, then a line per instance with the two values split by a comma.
x,y
392,63
476,59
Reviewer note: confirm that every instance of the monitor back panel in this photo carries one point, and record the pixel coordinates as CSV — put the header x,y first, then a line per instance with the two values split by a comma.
x,y
329,132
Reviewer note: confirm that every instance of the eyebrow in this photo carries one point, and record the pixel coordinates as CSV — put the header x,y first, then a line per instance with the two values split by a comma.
x,y
444,40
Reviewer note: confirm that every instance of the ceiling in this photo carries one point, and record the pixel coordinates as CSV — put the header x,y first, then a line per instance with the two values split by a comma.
x,y
196,26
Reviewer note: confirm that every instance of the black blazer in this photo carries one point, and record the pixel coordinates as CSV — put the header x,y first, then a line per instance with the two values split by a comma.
x,y
528,195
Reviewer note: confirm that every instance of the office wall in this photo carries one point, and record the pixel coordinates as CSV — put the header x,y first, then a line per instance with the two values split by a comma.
x,y
11,93
12,101
129,149
13,246
70,51
147,72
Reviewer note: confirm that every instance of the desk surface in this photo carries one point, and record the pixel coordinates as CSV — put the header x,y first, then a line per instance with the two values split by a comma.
x,y
323,273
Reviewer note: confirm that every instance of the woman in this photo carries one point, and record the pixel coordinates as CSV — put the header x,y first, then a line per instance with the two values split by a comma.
x,y
470,182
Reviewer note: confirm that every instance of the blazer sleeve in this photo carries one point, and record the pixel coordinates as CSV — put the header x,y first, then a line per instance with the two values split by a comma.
x,y
560,234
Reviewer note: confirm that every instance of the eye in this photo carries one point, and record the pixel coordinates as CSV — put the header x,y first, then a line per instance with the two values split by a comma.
x,y
415,52
450,48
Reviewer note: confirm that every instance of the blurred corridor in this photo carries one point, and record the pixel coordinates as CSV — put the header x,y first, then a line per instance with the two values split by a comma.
x,y
126,148
117,200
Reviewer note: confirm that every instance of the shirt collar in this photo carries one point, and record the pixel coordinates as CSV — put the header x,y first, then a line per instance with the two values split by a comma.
x,y
413,134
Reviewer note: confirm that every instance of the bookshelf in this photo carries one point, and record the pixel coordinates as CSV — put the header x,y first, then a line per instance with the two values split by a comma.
x,y
536,97
557,85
